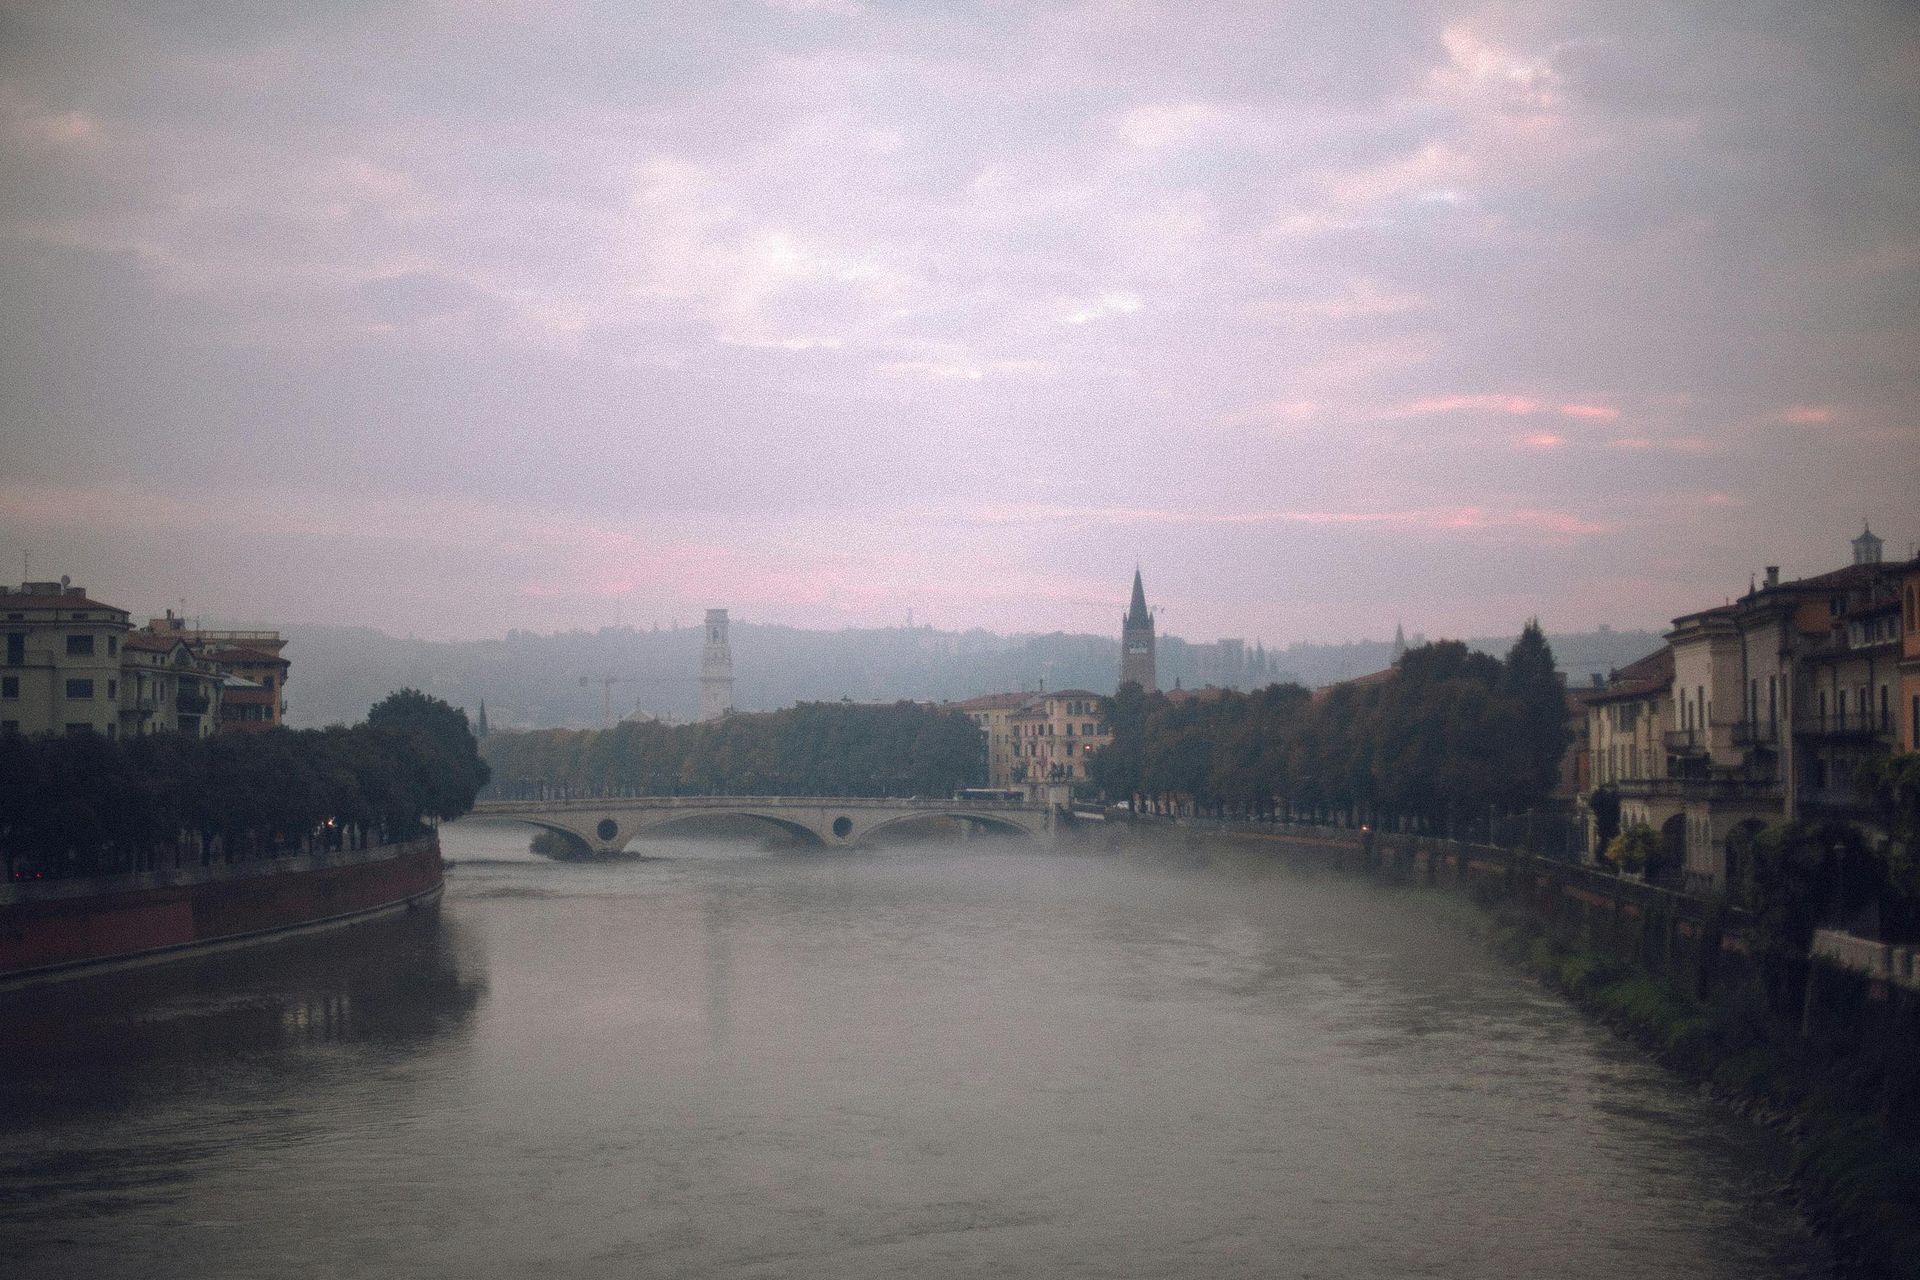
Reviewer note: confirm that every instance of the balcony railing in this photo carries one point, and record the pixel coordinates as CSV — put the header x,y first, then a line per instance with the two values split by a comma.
x,y
1755,733
1700,788
1685,741
1842,724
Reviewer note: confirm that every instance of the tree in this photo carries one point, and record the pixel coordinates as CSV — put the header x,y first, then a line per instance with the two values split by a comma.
x,y
1634,849
1528,676
1605,806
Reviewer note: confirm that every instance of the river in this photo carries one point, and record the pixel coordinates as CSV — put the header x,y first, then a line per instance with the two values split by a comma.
x,y
935,1060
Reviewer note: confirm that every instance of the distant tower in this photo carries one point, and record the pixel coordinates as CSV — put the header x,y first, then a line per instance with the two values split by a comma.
x,y
1399,643
1866,547
1136,640
716,669
481,732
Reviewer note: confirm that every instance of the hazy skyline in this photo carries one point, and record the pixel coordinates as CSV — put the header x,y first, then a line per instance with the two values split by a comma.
x,y
453,318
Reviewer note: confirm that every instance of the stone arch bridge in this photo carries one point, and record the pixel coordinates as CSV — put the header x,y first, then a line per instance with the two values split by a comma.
x,y
604,826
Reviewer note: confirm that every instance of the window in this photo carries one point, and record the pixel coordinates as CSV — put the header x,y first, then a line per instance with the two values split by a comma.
x,y
1884,710
79,646
266,682
113,688
9,686
113,644
16,648
79,690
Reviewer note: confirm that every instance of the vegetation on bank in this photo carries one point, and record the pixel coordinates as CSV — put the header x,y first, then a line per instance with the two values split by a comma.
x,y
87,805
1452,735
1830,1055
1845,1095
813,749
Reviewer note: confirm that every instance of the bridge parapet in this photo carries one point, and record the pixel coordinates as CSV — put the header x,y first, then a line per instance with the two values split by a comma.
x,y
606,825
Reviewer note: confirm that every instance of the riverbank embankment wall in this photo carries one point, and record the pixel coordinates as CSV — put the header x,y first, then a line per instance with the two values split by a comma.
x,y
53,927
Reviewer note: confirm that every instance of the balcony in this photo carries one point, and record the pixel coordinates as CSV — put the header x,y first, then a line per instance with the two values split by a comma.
x,y
1842,727
1711,789
1685,742
1756,733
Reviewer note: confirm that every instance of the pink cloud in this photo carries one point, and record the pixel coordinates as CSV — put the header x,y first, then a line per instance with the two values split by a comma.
x,y
1494,403
1809,415
1512,404
1678,444
1541,440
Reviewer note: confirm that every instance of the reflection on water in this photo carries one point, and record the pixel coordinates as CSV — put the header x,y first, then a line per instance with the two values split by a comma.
x,y
947,1060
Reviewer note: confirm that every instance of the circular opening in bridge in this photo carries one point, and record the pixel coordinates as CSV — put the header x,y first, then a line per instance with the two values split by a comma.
x,y
607,829
841,826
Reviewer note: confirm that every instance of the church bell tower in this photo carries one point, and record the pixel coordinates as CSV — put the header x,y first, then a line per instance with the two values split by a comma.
x,y
716,669
1136,640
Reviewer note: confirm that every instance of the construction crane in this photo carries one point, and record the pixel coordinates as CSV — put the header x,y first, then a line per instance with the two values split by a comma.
x,y
606,684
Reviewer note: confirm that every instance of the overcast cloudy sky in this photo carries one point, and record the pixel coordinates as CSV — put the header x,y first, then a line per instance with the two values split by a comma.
x,y
454,317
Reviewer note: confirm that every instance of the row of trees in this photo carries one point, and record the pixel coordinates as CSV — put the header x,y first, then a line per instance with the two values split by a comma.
x,y
1451,735
813,749
87,805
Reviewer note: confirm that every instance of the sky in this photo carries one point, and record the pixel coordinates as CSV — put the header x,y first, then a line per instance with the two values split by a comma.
x,y
450,318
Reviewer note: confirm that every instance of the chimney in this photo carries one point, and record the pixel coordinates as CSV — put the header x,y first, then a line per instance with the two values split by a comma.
x,y
1773,576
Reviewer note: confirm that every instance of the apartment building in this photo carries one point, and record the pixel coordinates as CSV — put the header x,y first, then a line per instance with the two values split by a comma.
x,y
60,672
993,715
254,689
164,688
1055,735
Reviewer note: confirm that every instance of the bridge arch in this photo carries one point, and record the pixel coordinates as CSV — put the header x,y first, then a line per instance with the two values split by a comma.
x,y
661,824
991,821
581,841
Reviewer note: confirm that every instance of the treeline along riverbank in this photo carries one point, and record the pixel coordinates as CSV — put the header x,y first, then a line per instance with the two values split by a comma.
x,y
1437,744
1729,996
813,749
85,806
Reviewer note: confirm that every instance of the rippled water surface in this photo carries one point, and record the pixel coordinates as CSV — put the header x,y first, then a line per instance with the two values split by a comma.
x,y
978,1059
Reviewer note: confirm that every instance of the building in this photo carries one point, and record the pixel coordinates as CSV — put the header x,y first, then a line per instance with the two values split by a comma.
x,y
1910,657
1628,719
1136,641
716,669
1055,736
61,668
164,688
253,671
1776,702
993,715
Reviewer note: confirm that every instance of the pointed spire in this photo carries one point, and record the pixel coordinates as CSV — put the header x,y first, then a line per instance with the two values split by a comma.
x,y
1137,615
1399,642
480,730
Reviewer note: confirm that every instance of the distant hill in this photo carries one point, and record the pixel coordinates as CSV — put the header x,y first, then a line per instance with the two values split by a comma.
x,y
534,681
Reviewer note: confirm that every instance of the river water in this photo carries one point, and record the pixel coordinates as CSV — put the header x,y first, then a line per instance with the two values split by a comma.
x,y
935,1060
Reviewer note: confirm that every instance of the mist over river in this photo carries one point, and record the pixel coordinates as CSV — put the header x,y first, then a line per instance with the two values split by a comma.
x,y
990,1058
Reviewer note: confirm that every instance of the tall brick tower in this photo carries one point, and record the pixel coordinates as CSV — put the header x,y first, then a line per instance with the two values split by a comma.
x,y
716,669
1136,640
